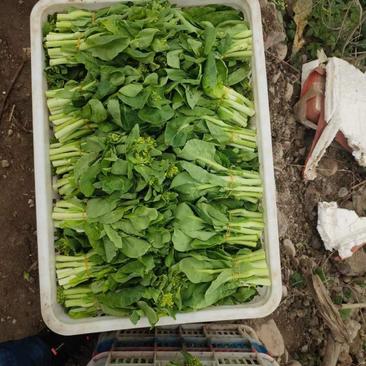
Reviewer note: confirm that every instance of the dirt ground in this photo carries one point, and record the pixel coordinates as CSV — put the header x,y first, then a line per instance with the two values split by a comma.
x,y
301,326
19,300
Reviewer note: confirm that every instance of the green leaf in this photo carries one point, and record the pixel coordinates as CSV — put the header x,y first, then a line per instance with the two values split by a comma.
x,y
297,280
94,111
237,76
158,237
144,57
113,236
123,298
87,180
173,58
209,37
137,102
155,116
149,312
197,270
97,207
82,165
120,167
134,247
144,38
177,131
110,249
114,110
131,90
142,217
107,47
193,95
111,184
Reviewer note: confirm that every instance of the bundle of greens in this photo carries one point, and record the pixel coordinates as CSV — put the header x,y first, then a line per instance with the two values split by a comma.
x,y
155,160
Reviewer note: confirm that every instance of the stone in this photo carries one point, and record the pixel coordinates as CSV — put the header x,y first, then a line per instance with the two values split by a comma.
x,y
276,78
278,153
354,266
30,203
343,192
327,167
284,291
271,337
316,242
5,164
348,205
359,201
293,363
281,51
289,92
289,247
304,348
10,132
282,224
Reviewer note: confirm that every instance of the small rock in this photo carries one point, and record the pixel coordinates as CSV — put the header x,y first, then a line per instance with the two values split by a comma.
x,y
274,39
327,167
293,363
2,320
289,248
5,164
276,78
281,51
311,199
10,132
271,337
359,202
278,153
14,321
354,266
316,243
348,205
21,2
282,224
289,92
343,192
353,328
300,313
304,348
30,203
314,323
302,151
284,291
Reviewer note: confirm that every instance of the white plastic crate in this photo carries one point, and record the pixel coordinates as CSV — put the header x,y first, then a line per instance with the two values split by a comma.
x,y
147,358
53,313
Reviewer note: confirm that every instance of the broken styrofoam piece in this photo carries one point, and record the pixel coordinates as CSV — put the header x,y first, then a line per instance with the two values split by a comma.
x,y
345,111
307,69
345,104
340,229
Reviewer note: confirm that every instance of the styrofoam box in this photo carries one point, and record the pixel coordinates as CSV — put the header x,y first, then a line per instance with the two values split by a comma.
x,y
53,314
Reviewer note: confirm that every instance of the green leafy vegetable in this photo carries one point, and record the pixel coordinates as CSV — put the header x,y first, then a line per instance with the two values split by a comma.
x,y
156,169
